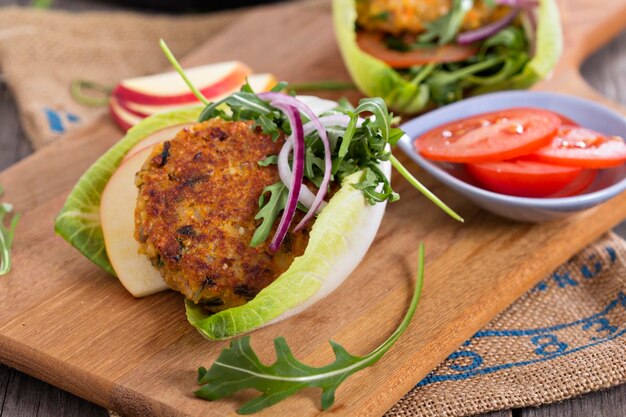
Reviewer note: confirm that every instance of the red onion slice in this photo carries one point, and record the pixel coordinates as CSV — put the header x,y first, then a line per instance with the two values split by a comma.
x,y
298,171
303,108
306,197
486,31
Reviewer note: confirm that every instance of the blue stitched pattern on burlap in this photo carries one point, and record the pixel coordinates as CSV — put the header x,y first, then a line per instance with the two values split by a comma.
x,y
540,344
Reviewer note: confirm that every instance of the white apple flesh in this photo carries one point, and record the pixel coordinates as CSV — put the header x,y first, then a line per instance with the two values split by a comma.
x,y
169,88
117,215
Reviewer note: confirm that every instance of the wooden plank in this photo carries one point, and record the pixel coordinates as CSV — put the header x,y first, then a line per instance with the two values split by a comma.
x,y
504,413
605,70
22,395
598,404
136,394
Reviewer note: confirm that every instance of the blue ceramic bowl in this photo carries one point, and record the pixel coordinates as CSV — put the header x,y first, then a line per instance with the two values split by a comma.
x,y
607,184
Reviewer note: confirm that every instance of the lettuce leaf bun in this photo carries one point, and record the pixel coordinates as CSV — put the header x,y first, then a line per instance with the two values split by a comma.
x,y
340,237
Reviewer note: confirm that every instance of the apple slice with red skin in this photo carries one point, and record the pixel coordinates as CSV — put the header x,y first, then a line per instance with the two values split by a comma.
x,y
169,88
318,105
117,215
124,119
155,138
258,82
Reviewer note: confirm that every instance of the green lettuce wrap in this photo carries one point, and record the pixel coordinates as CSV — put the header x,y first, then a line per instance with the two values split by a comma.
x,y
79,220
339,238
504,56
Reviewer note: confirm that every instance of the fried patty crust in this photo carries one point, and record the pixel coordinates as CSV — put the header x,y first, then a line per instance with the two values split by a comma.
x,y
198,195
411,16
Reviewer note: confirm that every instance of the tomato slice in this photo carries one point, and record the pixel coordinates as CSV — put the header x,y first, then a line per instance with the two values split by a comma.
x,y
580,184
566,120
373,44
490,137
577,146
523,178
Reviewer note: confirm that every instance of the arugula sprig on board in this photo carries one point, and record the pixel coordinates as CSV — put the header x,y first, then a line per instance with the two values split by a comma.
x,y
6,235
239,368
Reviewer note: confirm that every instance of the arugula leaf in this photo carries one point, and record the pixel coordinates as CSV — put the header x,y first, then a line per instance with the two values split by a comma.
x,y
269,211
354,149
172,59
42,4
508,39
344,105
239,368
278,87
373,135
501,57
445,29
370,183
384,16
268,126
241,105
268,160
422,189
6,236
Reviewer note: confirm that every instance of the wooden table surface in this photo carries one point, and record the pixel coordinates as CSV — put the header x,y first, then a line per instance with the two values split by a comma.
x,y
21,395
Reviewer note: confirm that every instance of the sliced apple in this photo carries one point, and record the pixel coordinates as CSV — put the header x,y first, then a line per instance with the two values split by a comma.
x,y
258,82
154,138
124,119
117,215
169,88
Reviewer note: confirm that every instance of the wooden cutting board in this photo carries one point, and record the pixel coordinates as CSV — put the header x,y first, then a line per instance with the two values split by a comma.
x,y
66,322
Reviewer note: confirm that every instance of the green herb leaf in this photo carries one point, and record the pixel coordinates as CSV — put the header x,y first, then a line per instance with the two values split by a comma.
x,y
6,235
269,211
353,149
42,4
170,57
370,183
279,87
427,193
445,29
239,368
344,105
268,126
384,16
268,160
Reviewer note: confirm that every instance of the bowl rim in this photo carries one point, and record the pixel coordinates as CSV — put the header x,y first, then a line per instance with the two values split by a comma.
x,y
572,202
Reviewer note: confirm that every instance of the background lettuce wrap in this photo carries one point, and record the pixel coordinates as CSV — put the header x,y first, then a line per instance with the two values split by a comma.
x,y
506,55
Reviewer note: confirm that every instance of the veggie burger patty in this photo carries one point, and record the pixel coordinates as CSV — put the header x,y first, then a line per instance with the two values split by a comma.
x,y
198,195
412,16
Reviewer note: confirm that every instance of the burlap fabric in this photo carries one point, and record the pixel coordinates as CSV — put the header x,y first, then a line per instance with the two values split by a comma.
x,y
42,52
563,338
